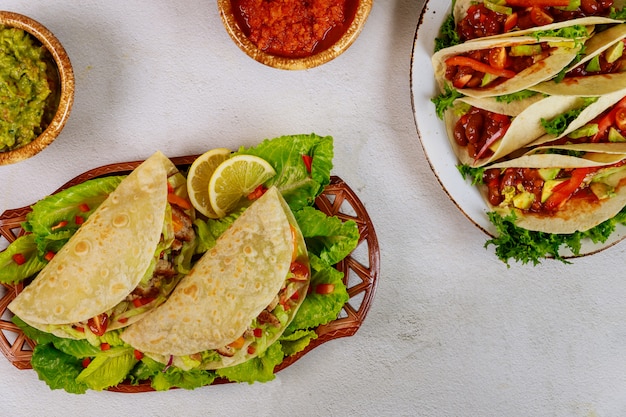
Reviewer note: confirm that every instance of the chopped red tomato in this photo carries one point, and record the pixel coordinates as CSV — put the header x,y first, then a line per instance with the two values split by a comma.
x,y
300,271
324,289
98,324
538,3
620,118
257,193
105,346
258,332
86,362
478,66
59,225
540,17
84,208
308,161
251,350
138,355
138,302
79,220
498,57
19,259
49,255
562,192
510,22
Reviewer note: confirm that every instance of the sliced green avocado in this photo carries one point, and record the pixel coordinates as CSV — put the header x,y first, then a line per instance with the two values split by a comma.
x,y
573,5
548,188
487,79
498,7
585,131
525,50
615,136
549,173
523,200
594,64
602,190
614,52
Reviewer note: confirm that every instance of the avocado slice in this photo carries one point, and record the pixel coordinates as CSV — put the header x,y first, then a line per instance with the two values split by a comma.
x,y
523,200
614,52
548,188
584,131
615,136
487,79
548,173
525,50
594,64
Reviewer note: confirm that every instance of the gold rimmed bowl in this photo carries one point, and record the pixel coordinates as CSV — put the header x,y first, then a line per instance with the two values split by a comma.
x,y
60,79
266,30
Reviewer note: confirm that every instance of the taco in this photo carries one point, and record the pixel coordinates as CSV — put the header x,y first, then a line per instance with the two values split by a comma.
x,y
238,298
559,190
593,120
476,19
485,130
495,67
122,261
602,70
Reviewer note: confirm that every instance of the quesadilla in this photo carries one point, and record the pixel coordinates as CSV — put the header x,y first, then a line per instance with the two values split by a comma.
x,y
122,261
559,190
495,67
475,19
238,298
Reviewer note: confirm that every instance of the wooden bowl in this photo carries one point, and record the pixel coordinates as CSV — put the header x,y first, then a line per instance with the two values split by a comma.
x,y
61,79
356,14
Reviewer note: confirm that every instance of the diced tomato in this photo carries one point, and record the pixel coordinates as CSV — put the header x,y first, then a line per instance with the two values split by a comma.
x,y
123,319
295,296
79,220
86,362
510,22
324,289
562,192
84,207
19,259
98,324
105,346
609,119
258,332
300,271
170,188
540,17
138,355
538,3
79,329
49,255
257,193
251,350
138,302
59,225
478,66
308,161
178,201
498,57
620,118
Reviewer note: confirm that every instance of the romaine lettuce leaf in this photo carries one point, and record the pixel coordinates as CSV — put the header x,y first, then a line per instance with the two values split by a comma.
x,y
259,369
327,237
296,184
10,271
296,341
58,369
108,368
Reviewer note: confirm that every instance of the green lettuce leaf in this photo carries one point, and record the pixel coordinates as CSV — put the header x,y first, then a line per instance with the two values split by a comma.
x,y
445,100
10,271
108,368
297,341
316,308
296,184
259,369
176,377
327,237
57,369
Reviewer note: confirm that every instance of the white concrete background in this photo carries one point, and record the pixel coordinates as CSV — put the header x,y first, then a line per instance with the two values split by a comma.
x,y
451,332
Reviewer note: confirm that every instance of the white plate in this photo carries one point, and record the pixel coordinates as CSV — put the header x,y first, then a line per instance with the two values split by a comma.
x,y
432,132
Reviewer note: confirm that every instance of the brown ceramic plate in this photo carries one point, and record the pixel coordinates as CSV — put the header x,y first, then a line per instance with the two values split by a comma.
x,y
360,268
233,28
62,86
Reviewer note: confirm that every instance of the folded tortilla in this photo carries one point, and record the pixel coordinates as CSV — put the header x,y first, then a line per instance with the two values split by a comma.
x,y
525,124
591,84
565,50
462,6
227,291
577,214
106,259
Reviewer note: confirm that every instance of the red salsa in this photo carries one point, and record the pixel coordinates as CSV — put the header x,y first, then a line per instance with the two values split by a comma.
x,y
478,129
294,28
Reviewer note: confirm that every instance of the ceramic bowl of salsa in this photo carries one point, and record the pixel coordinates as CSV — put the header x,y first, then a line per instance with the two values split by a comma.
x,y
294,34
36,87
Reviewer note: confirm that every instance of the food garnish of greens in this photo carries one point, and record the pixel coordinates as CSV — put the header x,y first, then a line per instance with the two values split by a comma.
x,y
557,125
24,88
445,100
448,35
79,365
520,95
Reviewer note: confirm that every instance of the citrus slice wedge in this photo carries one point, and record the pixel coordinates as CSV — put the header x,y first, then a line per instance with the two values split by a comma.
x,y
234,179
199,176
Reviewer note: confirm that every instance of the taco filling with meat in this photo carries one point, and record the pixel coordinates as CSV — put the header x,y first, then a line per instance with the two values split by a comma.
x,y
478,19
238,298
122,262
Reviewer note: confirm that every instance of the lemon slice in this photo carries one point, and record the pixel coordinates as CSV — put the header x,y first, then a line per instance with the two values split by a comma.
x,y
234,179
199,176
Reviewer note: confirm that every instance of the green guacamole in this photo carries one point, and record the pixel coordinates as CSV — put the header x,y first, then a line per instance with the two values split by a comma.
x,y
24,88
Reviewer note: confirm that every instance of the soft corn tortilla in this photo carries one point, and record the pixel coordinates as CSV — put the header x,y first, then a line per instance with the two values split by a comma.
x,y
106,258
461,7
525,127
577,214
590,85
226,290
530,76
